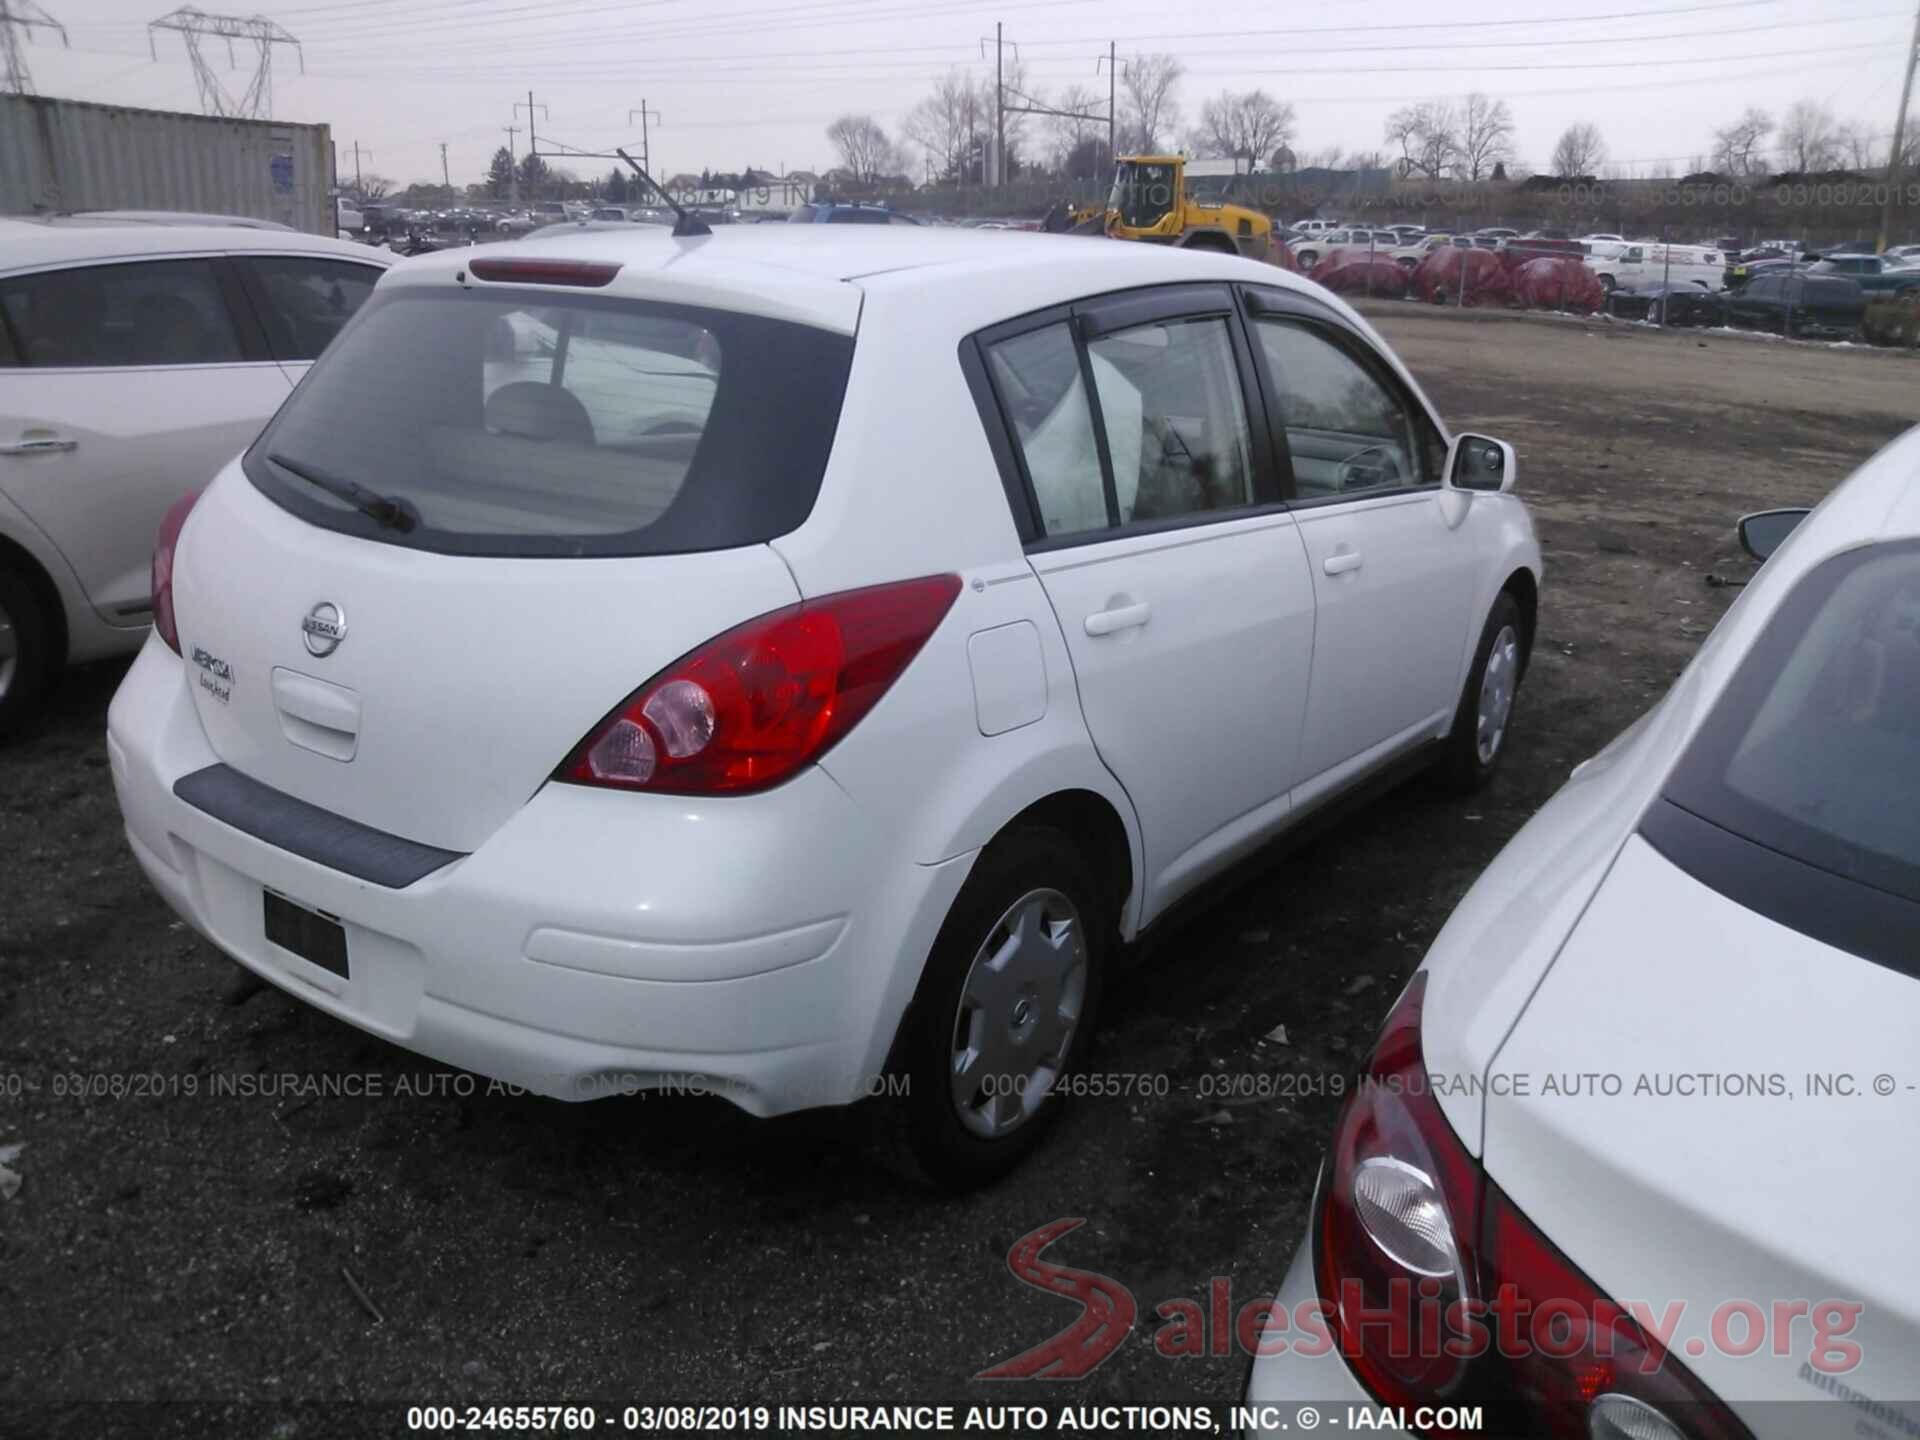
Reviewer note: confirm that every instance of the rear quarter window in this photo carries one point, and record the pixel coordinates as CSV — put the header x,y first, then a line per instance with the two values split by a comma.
x,y
542,423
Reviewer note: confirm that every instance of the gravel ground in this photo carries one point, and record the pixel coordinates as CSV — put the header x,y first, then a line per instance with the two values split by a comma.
x,y
168,1247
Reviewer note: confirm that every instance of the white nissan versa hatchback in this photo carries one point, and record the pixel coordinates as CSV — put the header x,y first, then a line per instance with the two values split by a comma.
x,y
799,655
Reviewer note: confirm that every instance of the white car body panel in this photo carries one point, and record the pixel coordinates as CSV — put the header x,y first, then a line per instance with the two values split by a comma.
x,y
436,758
474,677
1748,1195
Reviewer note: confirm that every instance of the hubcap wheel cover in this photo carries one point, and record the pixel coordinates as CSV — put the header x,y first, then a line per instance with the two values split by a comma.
x,y
1497,684
1019,1010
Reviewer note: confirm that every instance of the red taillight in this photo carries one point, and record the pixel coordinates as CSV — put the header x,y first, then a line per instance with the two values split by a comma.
x,y
752,706
1439,1291
589,274
163,547
1401,1206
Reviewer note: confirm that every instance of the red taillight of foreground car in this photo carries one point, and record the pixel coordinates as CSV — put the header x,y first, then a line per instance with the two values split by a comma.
x,y
1438,1291
1398,1218
749,708
164,545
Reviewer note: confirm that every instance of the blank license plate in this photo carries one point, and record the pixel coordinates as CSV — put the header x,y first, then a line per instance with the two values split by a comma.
x,y
307,933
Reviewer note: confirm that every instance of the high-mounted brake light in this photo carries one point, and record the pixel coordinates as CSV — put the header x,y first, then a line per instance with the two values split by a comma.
x,y
1438,1291
752,706
164,544
588,274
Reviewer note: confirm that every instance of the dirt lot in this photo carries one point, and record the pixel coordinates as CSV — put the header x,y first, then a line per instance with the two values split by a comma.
x,y
164,1247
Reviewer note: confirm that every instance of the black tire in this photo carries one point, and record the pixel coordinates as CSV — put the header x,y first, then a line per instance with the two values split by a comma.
x,y
24,675
1017,865
1465,764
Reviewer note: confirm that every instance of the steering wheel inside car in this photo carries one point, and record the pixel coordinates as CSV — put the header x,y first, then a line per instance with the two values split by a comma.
x,y
1355,476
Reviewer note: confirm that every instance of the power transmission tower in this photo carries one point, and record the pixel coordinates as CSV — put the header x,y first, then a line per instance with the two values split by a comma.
x,y
446,176
16,17
196,26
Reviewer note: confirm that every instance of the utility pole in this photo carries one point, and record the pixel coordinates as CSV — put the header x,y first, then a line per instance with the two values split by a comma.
x,y
999,108
1894,165
646,154
446,176
1113,107
513,169
359,187
533,142
16,17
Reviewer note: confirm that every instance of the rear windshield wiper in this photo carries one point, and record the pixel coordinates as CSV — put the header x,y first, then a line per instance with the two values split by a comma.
x,y
383,509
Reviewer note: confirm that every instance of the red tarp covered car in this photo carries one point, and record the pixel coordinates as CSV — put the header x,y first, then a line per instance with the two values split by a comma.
x,y
1350,272
1558,282
1438,277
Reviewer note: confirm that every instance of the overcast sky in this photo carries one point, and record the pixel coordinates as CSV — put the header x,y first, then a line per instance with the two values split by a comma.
x,y
738,82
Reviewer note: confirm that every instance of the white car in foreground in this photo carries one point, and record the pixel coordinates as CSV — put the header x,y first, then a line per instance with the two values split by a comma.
x,y
1654,1089
137,356
791,656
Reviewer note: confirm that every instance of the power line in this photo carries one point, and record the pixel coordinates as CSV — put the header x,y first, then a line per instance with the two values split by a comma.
x,y
740,63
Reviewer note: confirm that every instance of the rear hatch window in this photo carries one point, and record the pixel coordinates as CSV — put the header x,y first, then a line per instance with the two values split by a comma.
x,y
513,422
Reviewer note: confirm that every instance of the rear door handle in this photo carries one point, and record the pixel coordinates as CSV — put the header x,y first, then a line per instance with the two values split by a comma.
x,y
40,445
1339,564
1105,622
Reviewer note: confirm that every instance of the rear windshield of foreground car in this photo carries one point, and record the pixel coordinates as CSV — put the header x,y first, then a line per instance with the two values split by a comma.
x,y
512,422
1812,757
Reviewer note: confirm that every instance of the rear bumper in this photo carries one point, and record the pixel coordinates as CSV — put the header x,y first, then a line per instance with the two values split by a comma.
x,y
596,944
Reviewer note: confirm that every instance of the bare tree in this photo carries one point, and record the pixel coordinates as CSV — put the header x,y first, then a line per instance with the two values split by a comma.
x,y
1428,137
1486,137
1087,118
1149,111
1856,148
1580,150
1243,125
864,148
943,123
1740,148
1809,138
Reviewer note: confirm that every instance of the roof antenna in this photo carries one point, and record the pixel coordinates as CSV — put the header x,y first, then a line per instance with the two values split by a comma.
x,y
687,225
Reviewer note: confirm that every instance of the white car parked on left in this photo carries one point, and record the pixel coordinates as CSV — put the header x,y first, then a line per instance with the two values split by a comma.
x,y
801,653
137,355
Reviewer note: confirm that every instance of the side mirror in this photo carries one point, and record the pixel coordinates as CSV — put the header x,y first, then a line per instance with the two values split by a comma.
x,y
1479,462
1762,531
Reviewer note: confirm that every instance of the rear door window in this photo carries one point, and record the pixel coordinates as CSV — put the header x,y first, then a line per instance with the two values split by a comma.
x,y
304,301
159,312
534,424
1175,419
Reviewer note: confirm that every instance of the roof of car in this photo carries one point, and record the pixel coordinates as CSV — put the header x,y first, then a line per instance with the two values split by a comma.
x,y
818,274
29,241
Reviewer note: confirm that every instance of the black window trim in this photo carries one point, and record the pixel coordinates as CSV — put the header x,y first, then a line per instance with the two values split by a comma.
x,y
1261,302
1101,315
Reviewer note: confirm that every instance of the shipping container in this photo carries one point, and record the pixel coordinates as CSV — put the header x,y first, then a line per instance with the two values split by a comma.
x,y
72,155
